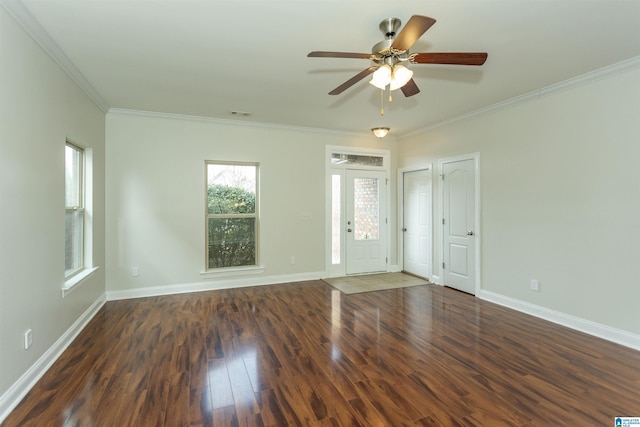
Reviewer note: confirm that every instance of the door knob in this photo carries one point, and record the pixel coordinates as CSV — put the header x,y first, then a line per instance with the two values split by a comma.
x,y
469,233
404,229
348,230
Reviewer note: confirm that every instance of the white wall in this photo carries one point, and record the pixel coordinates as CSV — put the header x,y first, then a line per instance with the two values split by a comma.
x,y
560,202
40,108
156,198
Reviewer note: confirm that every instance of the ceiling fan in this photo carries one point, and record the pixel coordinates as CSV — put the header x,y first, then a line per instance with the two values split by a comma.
x,y
389,54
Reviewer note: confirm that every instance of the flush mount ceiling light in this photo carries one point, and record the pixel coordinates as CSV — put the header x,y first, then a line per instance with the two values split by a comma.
x,y
380,132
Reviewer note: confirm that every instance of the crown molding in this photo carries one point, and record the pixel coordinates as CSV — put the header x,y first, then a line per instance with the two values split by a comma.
x,y
608,71
19,12
238,123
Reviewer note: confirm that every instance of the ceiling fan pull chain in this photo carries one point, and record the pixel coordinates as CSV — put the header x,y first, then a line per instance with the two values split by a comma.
x,y
382,102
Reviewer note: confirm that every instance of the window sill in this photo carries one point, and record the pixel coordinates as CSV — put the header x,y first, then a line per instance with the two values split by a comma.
x,y
230,272
75,281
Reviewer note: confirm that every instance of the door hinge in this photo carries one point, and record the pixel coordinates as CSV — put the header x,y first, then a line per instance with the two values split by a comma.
x,y
442,221
386,220
386,260
443,265
442,176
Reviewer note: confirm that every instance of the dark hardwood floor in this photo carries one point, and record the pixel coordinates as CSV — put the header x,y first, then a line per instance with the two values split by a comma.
x,y
304,354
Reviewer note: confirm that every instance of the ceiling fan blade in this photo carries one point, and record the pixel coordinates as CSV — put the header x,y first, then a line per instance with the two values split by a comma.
x,y
353,80
410,89
412,31
454,58
322,54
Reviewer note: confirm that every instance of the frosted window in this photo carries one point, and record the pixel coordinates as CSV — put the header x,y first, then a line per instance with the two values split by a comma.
x,y
335,219
366,209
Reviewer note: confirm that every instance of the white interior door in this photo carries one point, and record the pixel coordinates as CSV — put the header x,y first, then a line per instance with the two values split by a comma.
x,y
458,187
366,221
417,223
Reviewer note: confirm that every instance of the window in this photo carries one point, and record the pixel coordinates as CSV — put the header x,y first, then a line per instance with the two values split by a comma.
x,y
232,214
336,223
75,212
356,159
366,208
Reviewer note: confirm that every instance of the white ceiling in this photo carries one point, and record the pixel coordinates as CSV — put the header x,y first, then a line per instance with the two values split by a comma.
x,y
210,57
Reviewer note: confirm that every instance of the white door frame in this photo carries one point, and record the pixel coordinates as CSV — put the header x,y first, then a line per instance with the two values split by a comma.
x,y
366,262
478,234
338,270
400,193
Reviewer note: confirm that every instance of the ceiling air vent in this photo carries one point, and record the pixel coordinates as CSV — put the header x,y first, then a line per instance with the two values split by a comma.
x,y
240,113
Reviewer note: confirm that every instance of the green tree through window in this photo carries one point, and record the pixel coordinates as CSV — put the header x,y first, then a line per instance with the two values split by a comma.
x,y
231,215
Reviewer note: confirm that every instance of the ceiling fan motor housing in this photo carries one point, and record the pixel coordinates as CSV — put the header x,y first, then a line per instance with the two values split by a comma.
x,y
382,50
390,27
383,54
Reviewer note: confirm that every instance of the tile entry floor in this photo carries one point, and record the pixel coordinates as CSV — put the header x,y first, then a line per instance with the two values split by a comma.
x,y
374,282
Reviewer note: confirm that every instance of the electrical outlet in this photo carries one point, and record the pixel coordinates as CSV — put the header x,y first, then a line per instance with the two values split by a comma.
x,y
28,339
534,285
292,261
135,271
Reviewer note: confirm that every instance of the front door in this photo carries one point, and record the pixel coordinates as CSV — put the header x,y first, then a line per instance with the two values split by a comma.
x,y
458,191
416,223
366,221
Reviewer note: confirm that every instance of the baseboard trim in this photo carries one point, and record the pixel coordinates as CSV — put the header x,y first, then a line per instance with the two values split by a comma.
x,y
12,397
599,330
211,285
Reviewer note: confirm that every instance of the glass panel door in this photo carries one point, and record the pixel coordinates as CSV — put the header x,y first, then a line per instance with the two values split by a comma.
x,y
366,222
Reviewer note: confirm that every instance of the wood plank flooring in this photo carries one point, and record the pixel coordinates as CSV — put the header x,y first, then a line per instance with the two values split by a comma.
x,y
304,354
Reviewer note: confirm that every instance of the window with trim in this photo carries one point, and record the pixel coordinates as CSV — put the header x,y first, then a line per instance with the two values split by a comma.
x,y
232,214
75,210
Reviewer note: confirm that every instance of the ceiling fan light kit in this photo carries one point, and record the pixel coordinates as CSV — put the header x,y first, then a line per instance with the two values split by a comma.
x,y
389,54
381,77
395,77
400,77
